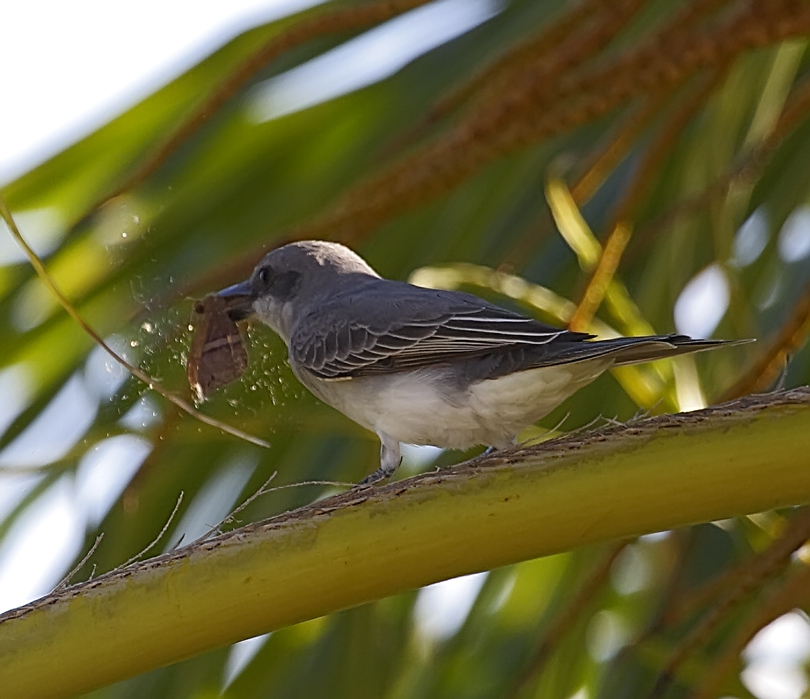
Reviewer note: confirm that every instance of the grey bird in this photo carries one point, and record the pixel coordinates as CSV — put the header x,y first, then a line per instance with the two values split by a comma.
x,y
423,366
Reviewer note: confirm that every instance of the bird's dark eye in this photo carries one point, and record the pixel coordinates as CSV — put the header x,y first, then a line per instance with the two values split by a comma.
x,y
281,285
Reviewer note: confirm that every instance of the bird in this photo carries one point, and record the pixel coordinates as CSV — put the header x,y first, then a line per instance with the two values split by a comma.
x,y
417,365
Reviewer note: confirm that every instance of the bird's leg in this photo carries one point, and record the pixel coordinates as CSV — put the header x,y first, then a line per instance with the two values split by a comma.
x,y
492,448
390,460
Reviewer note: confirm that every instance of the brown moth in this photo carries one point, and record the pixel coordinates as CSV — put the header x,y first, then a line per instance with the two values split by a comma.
x,y
217,356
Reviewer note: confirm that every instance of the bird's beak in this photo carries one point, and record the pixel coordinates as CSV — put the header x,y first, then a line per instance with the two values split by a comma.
x,y
239,300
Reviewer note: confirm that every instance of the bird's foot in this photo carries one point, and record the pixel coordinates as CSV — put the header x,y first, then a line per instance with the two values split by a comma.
x,y
385,471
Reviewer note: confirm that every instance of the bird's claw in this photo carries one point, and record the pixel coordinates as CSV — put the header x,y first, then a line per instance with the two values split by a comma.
x,y
379,475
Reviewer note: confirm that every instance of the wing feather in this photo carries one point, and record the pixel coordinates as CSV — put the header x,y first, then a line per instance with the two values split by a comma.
x,y
393,328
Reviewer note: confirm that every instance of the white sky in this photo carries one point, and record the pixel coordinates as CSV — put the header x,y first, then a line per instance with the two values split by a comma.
x,y
70,66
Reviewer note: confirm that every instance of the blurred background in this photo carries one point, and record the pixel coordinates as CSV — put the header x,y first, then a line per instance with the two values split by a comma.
x,y
625,168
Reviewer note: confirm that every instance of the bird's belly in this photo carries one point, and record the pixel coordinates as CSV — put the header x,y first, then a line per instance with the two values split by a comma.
x,y
422,410
428,407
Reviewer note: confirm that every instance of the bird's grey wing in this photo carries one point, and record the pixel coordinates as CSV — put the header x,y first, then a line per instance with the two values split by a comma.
x,y
393,326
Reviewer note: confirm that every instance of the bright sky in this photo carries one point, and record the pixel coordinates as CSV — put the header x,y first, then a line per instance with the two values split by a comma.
x,y
70,66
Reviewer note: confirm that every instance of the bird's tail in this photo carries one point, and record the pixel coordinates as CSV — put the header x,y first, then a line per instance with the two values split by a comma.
x,y
634,350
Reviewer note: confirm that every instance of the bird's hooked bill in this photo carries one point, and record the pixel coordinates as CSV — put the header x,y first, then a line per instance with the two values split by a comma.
x,y
237,300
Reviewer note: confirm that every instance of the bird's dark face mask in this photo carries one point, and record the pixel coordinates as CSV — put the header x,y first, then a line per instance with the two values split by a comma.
x,y
281,285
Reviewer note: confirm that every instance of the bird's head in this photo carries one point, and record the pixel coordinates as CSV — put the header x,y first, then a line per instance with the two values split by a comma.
x,y
293,279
